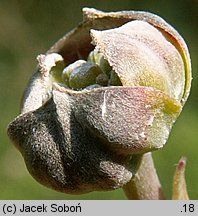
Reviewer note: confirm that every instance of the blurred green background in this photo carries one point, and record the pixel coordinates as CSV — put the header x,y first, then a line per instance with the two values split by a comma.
x,y
30,27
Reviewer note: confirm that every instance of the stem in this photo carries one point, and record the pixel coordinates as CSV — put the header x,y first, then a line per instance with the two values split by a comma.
x,y
145,185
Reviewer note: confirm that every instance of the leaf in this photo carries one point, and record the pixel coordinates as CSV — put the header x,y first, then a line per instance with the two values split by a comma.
x,y
63,155
142,56
129,120
179,182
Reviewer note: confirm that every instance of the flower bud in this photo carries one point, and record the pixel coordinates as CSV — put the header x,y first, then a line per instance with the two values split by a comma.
x,y
84,75
84,127
98,58
69,69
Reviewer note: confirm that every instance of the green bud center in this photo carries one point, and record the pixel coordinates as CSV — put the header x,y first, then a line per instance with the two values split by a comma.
x,y
93,73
